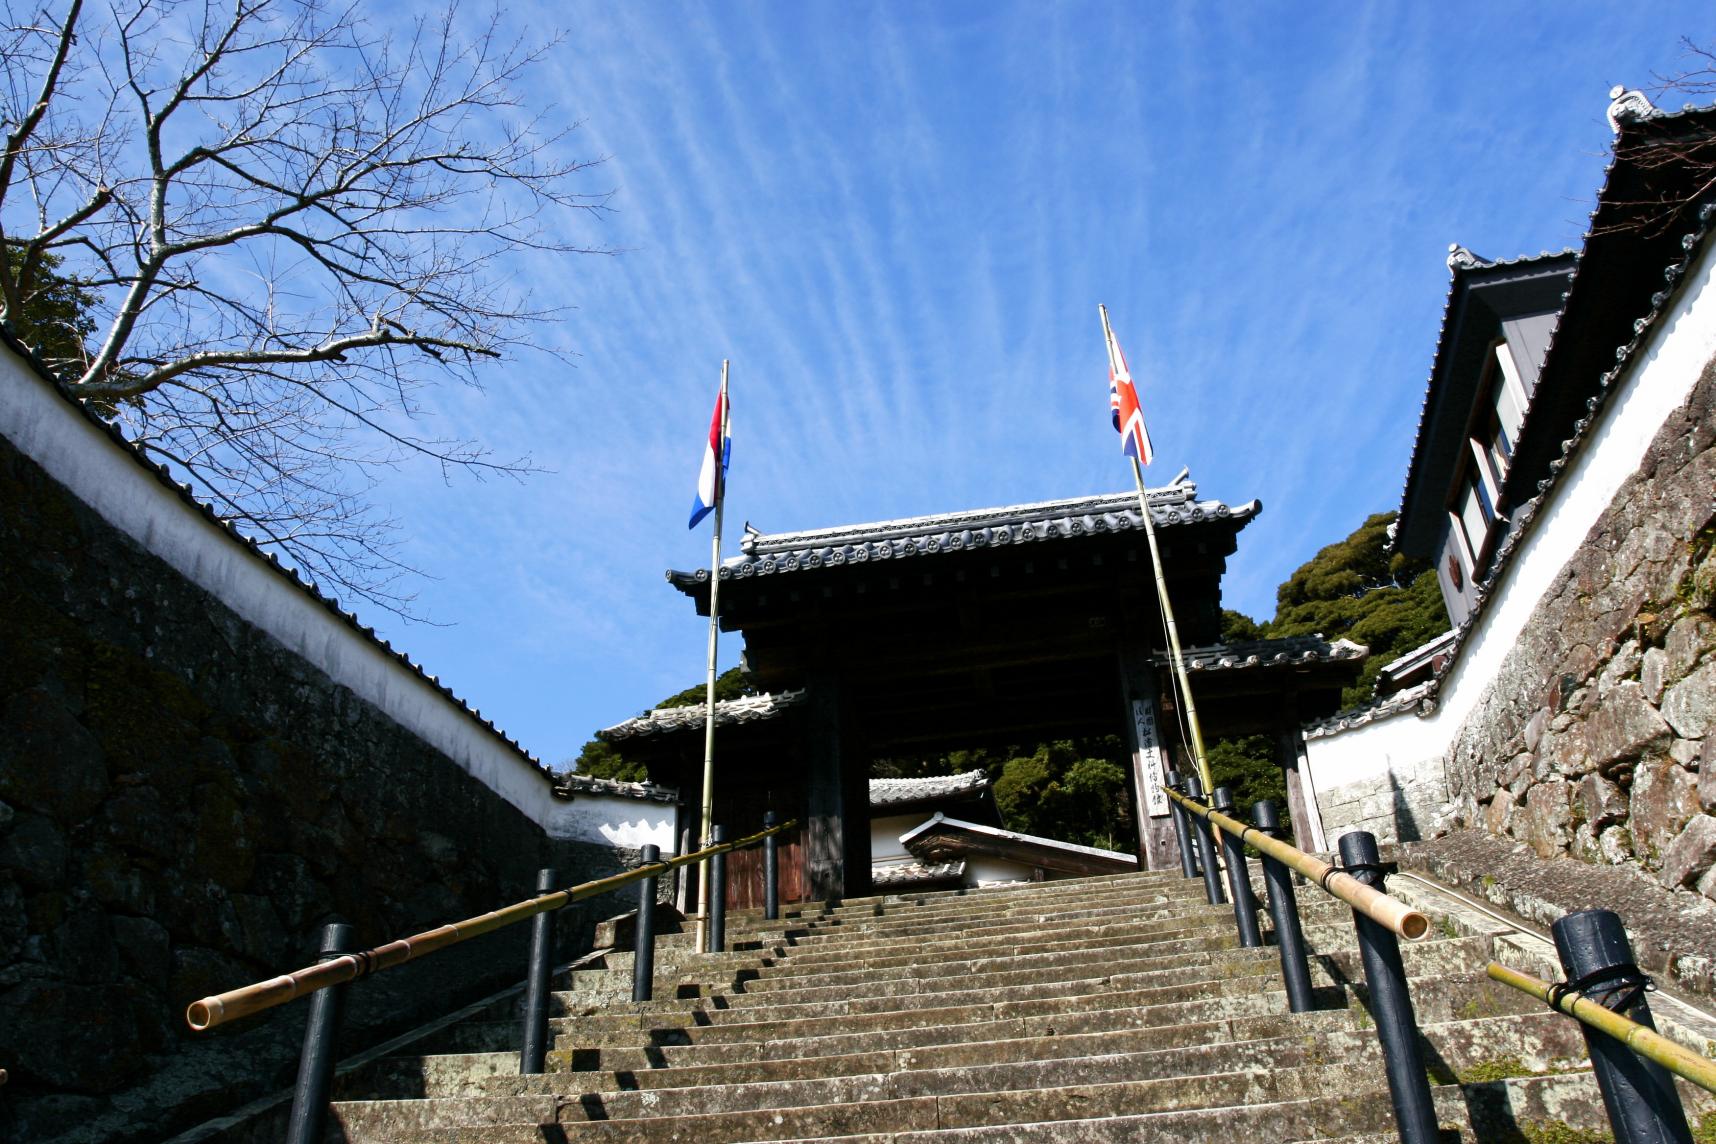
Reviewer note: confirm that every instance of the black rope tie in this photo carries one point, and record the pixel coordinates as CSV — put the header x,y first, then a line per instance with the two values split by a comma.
x,y
1616,988
1356,868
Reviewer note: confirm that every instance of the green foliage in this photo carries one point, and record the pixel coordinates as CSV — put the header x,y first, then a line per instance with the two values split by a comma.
x,y
1248,766
1237,627
730,684
600,760
1073,791
55,318
1354,589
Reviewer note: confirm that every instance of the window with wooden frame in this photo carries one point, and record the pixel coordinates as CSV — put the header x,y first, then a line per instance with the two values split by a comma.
x,y
1475,498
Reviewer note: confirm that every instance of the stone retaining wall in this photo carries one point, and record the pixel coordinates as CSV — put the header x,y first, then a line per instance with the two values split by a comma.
x,y
1597,738
183,804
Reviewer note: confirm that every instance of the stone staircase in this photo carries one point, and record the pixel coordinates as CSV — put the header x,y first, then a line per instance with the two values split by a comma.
x,y
1100,1009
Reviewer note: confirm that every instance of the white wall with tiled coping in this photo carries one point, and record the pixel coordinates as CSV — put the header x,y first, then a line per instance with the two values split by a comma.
x,y
1347,769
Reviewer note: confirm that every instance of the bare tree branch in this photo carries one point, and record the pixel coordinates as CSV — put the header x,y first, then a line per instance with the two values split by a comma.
x,y
285,226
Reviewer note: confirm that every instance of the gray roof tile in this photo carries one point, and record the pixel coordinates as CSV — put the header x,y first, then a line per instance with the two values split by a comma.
x,y
663,720
765,554
897,792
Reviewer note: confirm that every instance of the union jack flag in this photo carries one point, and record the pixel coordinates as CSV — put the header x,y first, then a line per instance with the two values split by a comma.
x,y
1123,407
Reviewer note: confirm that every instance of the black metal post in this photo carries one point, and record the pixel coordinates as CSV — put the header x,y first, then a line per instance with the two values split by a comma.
x,y
533,1057
1639,1094
1188,859
1238,877
1284,914
1206,845
1391,1003
321,1047
643,933
717,893
771,871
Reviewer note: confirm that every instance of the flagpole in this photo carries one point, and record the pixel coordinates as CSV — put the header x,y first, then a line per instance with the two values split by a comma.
x,y
714,637
1179,661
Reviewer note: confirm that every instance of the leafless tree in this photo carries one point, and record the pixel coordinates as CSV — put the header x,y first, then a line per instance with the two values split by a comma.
x,y
282,224
1670,160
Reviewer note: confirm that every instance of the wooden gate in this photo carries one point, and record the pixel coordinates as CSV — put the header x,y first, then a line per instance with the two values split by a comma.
x,y
745,867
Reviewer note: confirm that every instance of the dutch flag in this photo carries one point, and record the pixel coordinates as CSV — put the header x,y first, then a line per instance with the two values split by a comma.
x,y
711,480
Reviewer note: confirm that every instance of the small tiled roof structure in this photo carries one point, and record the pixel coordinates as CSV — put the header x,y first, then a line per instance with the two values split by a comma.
x,y
666,720
944,839
769,554
901,792
572,784
1418,698
897,875
1267,653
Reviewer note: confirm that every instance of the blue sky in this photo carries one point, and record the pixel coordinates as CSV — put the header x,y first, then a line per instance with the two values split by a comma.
x,y
897,220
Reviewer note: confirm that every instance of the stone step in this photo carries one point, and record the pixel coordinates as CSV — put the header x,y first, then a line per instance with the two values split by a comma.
x,y
1112,1008
1534,1043
1313,1102
1446,956
861,992
1087,1012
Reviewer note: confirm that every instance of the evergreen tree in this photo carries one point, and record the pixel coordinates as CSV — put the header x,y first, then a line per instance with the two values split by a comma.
x,y
1354,589
604,761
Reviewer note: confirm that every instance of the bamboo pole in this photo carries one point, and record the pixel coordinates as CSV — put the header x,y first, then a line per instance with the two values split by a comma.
x,y
714,638
1647,1043
1391,913
1185,684
242,1002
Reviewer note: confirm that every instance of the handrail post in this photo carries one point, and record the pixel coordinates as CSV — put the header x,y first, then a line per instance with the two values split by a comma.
x,y
771,872
1638,1093
1284,914
1238,876
1391,1002
643,934
717,892
321,1046
1206,845
1188,859
532,1058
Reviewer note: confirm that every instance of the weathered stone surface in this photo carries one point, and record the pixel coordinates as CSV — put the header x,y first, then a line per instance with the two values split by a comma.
x,y
1690,705
1499,811
83,1038
155,751
1707,774
1664,799
1601,802
48,761
1691,854
1616,845
1653,674
1691,636
145,950
1545,821
1622,726
34,850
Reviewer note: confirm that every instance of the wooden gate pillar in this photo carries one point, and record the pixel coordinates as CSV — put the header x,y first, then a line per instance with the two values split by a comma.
x,y
837,826
1157,847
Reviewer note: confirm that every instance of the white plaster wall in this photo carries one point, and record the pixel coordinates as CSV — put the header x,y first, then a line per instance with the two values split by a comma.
x,y
1660,379
616,821
985,871
100,473
885,836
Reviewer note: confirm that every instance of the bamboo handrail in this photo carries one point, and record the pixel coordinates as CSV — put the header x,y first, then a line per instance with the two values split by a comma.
x,y
1391,913
1647,1043
246,1000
